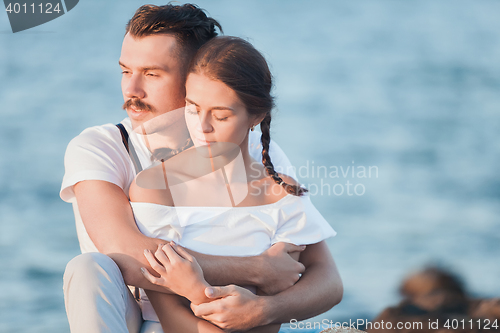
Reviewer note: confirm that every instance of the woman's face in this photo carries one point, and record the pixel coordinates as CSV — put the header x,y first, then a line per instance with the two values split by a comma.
x,y
214,113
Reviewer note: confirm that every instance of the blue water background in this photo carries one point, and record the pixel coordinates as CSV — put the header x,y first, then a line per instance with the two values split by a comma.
x,y
410,87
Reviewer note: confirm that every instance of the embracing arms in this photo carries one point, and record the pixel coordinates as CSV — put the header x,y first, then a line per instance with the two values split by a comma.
x,y
235,308
108,219
319,289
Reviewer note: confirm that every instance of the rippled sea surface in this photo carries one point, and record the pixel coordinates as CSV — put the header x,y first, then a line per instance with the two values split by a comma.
x,y
410,89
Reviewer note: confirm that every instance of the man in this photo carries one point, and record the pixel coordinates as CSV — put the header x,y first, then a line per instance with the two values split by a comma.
x,y
157,48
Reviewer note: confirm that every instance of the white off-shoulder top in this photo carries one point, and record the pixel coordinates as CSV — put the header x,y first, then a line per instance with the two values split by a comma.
x,y
232,231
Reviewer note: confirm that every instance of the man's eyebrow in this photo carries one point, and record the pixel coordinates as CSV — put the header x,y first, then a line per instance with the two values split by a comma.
x,y
212,108
144,69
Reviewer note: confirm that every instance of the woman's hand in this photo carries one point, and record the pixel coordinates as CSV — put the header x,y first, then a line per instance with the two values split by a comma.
x,y
179,272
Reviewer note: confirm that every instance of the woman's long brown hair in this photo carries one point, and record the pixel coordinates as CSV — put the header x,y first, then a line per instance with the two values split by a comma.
x,y
237,64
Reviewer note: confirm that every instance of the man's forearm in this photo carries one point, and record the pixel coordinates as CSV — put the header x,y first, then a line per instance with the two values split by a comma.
x,y
109,221
318,290
224,270
275,270
217,270
301,301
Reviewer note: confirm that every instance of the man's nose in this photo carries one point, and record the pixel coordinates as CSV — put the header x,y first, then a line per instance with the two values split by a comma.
x,y
134,87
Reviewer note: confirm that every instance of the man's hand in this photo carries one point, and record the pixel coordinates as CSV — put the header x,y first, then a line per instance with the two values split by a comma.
x,y
233,308
318,290
280,268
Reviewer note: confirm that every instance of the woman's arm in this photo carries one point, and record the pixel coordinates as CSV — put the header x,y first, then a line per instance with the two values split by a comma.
x,y
180,272
318,290
176,317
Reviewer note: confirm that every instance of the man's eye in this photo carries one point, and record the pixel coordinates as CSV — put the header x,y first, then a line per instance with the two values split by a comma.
x,y
220,119
125,72
151,74
191,110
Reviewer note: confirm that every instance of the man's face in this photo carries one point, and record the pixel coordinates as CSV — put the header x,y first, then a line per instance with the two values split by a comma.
x,y
152,81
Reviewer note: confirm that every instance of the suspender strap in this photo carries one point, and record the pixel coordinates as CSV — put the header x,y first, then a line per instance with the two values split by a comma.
x,y
130,148
138,168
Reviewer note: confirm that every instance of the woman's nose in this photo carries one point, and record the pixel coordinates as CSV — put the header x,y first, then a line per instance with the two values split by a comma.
x,y
204,125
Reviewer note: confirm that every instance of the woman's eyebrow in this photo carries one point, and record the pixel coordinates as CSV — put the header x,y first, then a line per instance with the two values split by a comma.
x,y
213,107
222,108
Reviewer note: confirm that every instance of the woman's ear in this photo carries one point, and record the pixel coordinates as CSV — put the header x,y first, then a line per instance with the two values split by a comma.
x,y
258,119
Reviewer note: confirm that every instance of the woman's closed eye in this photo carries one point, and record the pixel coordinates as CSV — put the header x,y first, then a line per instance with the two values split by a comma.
x,y
191,109
220,118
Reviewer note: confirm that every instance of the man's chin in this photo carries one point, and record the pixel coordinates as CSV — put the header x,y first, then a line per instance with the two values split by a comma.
x,y
139,118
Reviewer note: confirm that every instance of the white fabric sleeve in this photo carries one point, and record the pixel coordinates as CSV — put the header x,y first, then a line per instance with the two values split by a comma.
x,y
301,224
96,154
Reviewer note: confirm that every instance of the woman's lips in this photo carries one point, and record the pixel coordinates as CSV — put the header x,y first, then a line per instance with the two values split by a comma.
x,y
204,142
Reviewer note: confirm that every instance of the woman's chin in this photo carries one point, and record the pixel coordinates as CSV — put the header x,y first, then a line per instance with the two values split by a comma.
x,y
216,149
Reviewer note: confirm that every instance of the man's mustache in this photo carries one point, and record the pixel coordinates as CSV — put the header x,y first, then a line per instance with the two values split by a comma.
x,y
138,104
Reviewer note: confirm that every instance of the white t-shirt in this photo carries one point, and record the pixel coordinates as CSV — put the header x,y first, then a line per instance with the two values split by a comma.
x,y
98,153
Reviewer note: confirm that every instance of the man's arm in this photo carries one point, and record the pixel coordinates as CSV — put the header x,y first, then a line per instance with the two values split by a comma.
x,y
318,290
109,221
273,271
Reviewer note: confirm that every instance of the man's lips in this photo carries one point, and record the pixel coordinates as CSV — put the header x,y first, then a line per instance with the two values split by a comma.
x,y
135,112
135,109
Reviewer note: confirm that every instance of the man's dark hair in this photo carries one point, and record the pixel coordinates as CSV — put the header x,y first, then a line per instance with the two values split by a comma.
x,y
187,23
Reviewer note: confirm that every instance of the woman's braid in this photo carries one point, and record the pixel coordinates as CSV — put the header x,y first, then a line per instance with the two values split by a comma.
x,y
265,139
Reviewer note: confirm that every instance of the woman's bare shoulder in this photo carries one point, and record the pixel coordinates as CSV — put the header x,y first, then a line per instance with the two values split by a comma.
x,y
266,191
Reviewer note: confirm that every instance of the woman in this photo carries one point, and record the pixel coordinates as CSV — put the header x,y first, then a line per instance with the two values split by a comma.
x,y
215,198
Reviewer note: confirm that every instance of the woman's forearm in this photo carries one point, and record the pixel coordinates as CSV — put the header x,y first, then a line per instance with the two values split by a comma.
x,y
176,317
